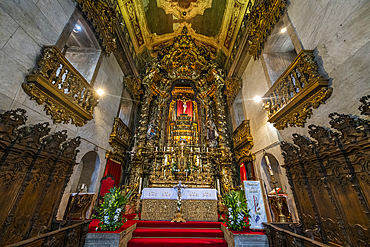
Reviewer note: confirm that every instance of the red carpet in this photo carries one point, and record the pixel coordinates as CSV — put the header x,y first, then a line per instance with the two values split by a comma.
x,y
165,233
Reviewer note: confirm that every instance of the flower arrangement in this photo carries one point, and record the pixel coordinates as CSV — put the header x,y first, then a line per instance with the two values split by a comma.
x,y
109,213
237,213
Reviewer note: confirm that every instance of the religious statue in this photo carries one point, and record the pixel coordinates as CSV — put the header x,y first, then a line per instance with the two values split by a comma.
x,y
134,148
152,130
184,106
212,133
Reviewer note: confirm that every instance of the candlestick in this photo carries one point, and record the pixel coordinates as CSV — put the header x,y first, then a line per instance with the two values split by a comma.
x,y
218,186
269,165
141,179
156,149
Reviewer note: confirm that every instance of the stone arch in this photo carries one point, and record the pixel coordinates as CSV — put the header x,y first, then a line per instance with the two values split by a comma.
x,y
90,163
276,170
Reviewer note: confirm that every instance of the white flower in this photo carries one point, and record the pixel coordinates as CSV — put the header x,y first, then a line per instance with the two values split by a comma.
x,y
238,204
229,209
118,210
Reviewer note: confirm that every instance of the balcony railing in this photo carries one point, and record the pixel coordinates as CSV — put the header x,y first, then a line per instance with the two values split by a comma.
x,y
65,92
299,89
243,142
120,140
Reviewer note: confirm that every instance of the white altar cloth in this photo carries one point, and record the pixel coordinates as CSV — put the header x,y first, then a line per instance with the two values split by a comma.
x,y
171,194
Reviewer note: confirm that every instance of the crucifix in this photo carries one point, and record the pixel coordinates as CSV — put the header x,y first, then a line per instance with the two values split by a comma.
x,y
184,106
178,216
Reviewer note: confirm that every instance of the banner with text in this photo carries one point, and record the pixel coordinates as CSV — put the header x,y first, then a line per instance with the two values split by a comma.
x,y
253,194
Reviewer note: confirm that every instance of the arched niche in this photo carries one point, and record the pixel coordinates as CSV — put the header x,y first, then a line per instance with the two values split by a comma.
x,y
90,163
249,168
276,171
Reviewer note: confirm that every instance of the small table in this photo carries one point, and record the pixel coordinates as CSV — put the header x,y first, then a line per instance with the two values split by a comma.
x,y
78,205
161,204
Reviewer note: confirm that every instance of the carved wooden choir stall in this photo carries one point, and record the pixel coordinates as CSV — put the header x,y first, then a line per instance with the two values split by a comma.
x,y
35,167
330,180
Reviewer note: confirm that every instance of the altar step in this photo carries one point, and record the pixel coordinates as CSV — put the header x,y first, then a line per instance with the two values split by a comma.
x,y
164,233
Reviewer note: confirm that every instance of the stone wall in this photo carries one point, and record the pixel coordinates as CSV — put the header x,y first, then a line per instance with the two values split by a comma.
x,y
339,32
26,26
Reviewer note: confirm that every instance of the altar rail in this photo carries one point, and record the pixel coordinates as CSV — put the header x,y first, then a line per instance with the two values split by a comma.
x,y
278,236
65,92
35,168
70,236
299,89
330,179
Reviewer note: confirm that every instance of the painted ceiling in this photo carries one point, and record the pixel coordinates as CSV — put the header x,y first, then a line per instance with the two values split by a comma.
x,y
214,23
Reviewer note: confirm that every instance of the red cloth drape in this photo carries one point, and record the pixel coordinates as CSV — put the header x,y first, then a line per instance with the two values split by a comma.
x,y
189,108
106,184
114,169
243,173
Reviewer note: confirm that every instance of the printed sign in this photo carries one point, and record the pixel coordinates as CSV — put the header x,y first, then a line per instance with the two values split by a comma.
x,y
253,194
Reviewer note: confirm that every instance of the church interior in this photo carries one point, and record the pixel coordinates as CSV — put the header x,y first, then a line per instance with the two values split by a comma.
x,y
158,97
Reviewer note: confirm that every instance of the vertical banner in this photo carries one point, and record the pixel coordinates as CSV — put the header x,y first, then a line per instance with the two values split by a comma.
x,y
253,194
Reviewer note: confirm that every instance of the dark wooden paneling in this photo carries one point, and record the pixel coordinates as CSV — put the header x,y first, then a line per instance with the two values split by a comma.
x,y
330,179
35,168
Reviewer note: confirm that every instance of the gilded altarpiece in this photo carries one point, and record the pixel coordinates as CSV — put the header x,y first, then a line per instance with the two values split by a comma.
x,y
182,132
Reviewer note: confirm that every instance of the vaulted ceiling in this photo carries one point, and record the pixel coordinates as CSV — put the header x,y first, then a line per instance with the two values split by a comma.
x,y
213,23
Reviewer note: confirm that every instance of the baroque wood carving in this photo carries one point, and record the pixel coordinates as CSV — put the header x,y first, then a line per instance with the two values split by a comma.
x,y
103,18
243,142
120,140
263,19
300,88
64,91
334,169
35,168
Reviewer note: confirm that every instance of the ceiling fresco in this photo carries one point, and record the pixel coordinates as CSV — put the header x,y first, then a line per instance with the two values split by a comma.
x,y
214,23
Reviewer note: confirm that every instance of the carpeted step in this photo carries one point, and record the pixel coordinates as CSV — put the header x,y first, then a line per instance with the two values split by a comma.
x,y
178,233
188,224
178,242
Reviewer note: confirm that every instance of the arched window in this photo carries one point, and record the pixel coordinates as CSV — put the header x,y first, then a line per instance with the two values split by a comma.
x,y
82,50
125,108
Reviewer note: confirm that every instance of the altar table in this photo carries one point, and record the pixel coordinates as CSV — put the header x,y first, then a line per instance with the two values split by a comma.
x,y
161,204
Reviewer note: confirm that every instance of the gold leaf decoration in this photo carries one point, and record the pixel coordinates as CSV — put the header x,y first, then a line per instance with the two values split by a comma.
x,y
65,92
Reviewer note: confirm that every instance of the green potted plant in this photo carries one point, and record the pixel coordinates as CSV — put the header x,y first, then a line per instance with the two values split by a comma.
x,y
110,212
237,213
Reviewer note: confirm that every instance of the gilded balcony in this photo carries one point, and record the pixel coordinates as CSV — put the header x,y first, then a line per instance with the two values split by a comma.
x,y
243,142
120,140
65,92
289,102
